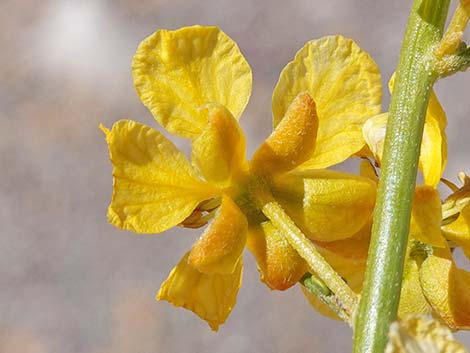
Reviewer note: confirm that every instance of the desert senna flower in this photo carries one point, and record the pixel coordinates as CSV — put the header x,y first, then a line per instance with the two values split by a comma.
x,y
446,286
196,83
432,281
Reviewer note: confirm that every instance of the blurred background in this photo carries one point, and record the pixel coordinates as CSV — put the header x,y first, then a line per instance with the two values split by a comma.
x,y
69,281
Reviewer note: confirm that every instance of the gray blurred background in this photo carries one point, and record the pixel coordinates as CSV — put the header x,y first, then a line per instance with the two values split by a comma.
x,y
69,282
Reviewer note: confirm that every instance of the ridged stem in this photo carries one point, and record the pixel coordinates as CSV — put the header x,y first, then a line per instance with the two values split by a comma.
x,y
415,78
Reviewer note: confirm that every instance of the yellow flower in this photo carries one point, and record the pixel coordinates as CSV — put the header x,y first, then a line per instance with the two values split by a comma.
x,y
196,83
432,282
446,287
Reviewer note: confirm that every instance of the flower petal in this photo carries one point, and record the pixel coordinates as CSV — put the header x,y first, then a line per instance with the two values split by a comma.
x,y
328,205
346,87
219,151
459,230
155,187
211,297
293,140
426,217
175,72
433,157
355,247
412,299
433,154
279,264
219,249
447,289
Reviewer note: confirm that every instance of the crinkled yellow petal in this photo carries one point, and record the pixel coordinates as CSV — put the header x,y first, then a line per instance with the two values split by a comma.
x,y
412,300
219,151
219,249
175,72
447,289
426,216
279,264
328,205
458,231
352,272
293,140
346,86
211,297
155,187
420,334
433,155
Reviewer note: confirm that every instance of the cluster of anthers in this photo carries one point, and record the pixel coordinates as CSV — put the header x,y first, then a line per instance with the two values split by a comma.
x,y
326,109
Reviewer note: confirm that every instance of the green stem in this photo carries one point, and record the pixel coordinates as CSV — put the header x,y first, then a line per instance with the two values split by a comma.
x,y
345,297
414,81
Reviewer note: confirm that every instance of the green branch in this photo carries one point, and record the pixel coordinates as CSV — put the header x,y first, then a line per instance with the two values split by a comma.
x,y
415,78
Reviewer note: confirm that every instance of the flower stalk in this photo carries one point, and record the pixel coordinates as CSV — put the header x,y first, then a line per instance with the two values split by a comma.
x,y
452,54
452,38
416,75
